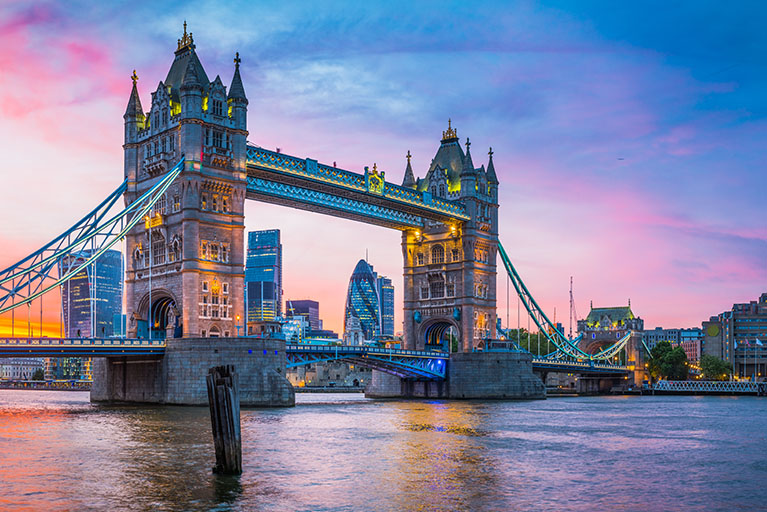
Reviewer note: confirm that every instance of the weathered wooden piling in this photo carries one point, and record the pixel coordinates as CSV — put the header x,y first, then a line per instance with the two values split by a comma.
x,y
224,402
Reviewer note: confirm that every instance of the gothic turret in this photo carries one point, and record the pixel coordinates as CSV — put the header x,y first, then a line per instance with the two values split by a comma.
x,y
236,90
134,113
238,108
409,179
468,174
134,121
491,176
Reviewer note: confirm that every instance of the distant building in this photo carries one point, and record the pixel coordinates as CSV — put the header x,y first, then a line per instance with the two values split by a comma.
x,y
741,328
20,368
386,305
307,308
91,301
370,300
690,339
263,276
604,326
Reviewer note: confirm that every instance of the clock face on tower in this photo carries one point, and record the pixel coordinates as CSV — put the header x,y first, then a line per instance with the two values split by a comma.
x,y
712,330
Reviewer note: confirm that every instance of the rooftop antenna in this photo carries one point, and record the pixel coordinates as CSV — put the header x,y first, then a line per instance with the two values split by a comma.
x,y
366,256
572,309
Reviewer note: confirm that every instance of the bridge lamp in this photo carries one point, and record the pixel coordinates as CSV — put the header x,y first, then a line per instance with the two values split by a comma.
x,y
238,325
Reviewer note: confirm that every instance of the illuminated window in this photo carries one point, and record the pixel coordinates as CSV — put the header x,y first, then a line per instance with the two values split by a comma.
x,y
419,258
204,256
215,203
225,202
214,252
456,255
437,254
204,201
176,203
224,254
159,206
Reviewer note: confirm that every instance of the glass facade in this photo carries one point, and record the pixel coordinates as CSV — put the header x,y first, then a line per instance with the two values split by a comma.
x,y
91,301
370,299
263,276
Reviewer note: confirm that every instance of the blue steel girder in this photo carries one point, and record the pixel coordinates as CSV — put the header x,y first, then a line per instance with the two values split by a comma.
x,y
402,363
387,204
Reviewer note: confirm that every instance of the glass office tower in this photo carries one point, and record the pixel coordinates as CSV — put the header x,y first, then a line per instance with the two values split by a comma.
x,y
263,276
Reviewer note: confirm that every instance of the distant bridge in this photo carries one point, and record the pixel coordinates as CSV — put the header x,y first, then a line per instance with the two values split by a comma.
x,y
711,387
80,347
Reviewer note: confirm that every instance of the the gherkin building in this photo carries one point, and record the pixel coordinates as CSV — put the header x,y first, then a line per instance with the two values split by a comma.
x,y
362,300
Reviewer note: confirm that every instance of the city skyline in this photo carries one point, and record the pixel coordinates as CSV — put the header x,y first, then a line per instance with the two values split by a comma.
x,y
619,203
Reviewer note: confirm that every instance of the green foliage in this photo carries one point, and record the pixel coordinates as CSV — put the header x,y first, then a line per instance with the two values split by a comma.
x,y
38,375
714,368
668,362
529,341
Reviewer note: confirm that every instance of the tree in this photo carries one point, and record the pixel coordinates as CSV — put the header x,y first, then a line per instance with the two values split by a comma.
x,y
38,375
668,362
714,368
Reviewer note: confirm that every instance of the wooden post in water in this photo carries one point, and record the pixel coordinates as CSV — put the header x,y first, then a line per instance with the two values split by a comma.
x,y
224,402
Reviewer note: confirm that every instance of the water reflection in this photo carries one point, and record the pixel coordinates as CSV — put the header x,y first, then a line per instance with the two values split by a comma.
x,y
347,453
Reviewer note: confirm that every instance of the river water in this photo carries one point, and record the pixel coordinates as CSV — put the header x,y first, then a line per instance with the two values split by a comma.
x,y
344,452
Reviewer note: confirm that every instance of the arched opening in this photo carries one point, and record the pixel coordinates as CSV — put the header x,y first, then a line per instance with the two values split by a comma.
x,y
163,319
214,332
442,336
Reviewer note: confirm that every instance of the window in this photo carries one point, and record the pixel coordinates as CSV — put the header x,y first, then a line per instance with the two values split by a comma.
x,y
165,116
215,203
434,191
225,202
442,190
172,143
214,252
207,136
419,258
216,107
205,286
424,292
176,203
164,144
218,139
158,249
224,255
456,255
159,206
450,289
437,289
204,255
225,288
437,254
204,201
157,119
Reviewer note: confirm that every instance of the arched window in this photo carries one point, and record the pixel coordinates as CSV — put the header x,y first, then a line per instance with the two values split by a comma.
x,y
437,254
215,203
204,201
442,190
434,190
419,258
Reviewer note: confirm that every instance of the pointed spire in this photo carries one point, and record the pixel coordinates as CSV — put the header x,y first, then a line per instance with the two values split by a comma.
x,y
134,109
186,41
491,176
468,165
236,90
409,180
450,134
191,79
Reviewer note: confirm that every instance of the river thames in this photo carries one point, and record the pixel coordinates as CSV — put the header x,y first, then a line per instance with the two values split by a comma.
x,y
344,452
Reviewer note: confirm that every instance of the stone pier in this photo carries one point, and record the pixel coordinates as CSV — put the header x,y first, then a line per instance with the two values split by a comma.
x,y
178,378
471,375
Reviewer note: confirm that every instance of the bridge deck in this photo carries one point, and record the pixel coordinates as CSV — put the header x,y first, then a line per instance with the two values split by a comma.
x,y
79,347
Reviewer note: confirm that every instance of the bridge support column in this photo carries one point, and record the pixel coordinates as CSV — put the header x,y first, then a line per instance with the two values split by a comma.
x,y
179,377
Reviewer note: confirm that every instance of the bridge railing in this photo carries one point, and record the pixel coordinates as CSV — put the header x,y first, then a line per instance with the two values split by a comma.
x,y
710,386
354,349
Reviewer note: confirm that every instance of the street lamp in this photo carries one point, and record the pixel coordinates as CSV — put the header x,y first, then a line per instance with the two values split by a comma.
x,y
238,325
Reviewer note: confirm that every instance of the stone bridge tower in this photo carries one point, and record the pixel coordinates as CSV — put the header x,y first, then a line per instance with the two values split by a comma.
x,y
450,270
184,265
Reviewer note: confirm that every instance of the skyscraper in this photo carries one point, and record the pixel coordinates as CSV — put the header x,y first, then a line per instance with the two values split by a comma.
x,y
93,297
263,276
307,308
386,305
371,300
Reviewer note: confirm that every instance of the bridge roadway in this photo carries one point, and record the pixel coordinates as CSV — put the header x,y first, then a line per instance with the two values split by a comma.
x,y
404,363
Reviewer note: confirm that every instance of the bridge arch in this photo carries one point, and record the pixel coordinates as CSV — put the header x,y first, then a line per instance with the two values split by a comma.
x,y
163,317
438,333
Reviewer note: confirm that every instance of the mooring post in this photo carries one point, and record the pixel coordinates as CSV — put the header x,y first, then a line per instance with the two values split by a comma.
x,y
224,402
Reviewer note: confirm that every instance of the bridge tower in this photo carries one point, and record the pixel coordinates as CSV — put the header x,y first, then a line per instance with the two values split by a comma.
x,y
184,265
450,269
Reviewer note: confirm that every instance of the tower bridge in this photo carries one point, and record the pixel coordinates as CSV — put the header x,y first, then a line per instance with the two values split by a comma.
x,y
188,170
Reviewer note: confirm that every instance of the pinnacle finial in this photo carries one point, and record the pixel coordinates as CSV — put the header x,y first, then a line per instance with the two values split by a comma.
x,y
134,77
408,156
237,60
375,168
468,143
490,152
186,40
450,133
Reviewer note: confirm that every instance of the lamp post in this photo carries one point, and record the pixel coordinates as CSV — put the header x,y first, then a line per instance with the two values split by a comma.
x,y
238,325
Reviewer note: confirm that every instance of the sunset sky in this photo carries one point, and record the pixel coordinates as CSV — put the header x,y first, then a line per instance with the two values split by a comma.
x,y
630,139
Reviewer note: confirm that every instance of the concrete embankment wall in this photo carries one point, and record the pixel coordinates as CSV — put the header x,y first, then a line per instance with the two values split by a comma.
x,y
474,375
179,377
